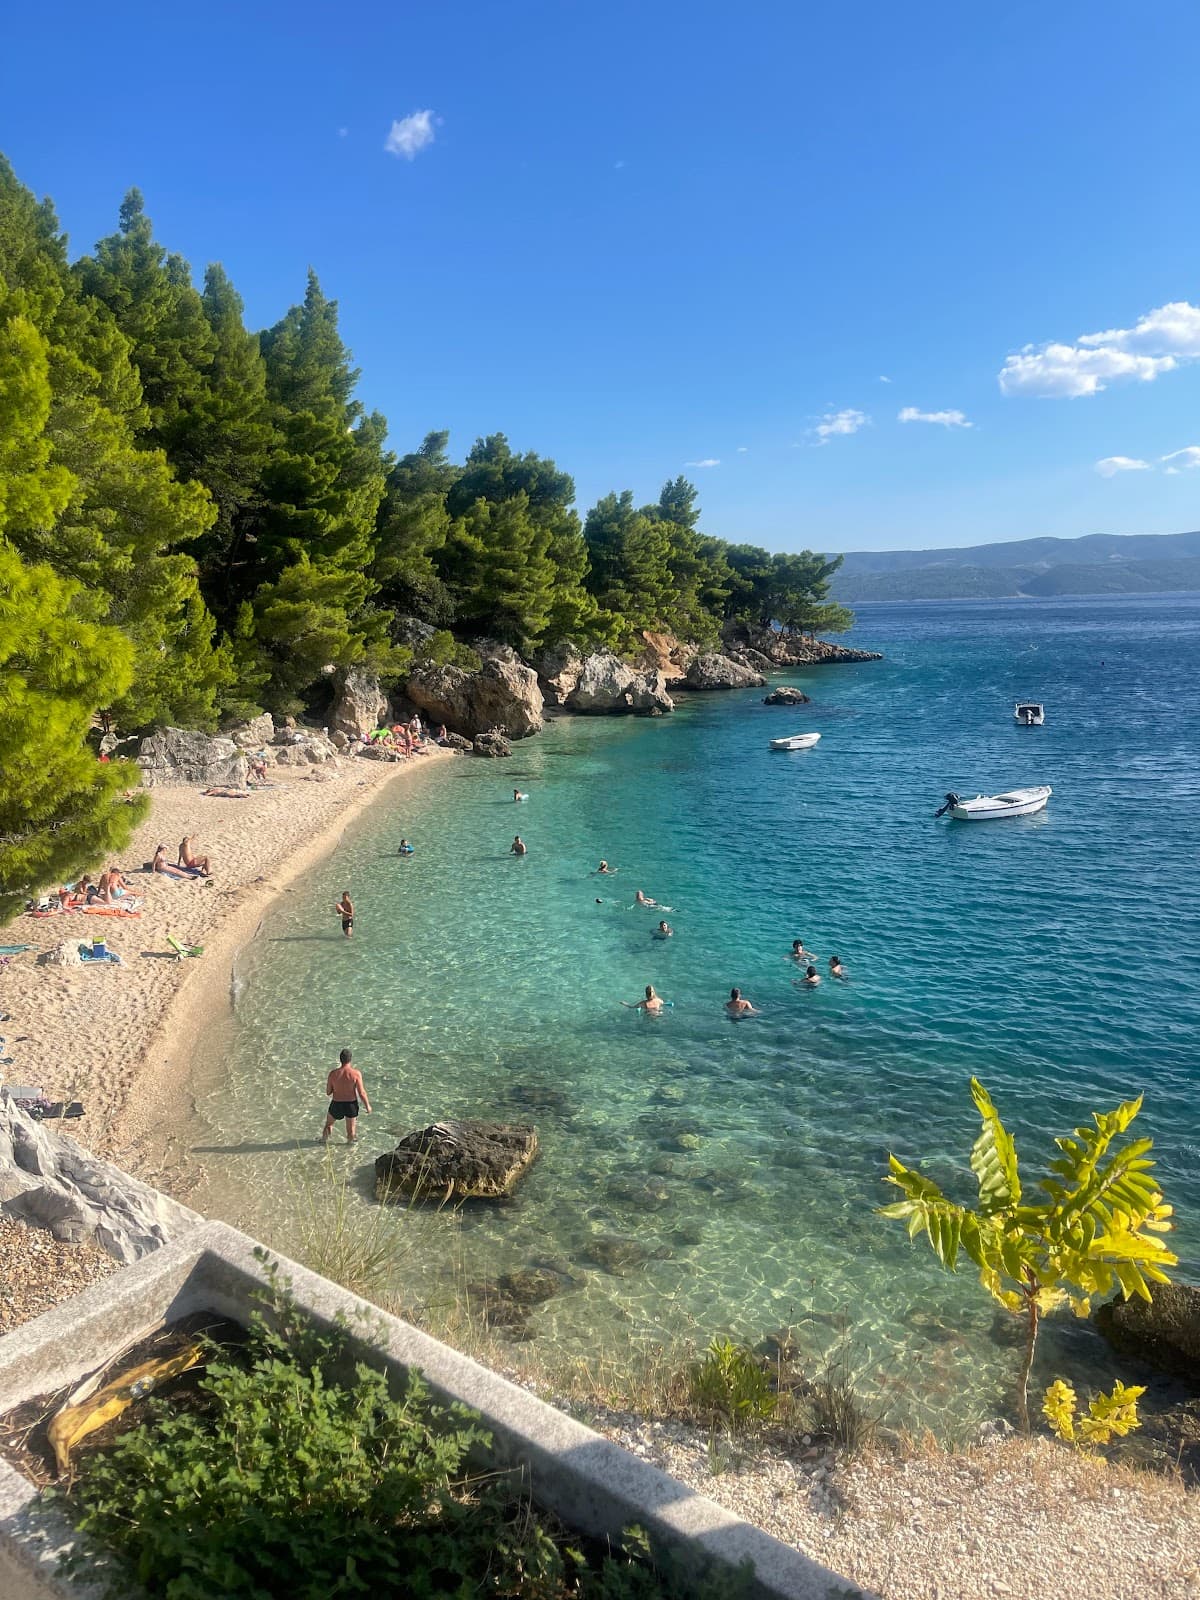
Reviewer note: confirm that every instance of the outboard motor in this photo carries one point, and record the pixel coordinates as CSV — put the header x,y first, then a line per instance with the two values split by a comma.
x,y
951,800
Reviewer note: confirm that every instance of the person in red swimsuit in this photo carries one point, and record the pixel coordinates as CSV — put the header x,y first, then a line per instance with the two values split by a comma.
x,y
345,1089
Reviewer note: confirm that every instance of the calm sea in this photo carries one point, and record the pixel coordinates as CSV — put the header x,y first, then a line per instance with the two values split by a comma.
x,y
1056,957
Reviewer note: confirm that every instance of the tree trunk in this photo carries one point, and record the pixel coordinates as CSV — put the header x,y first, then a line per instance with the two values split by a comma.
x,y
1031,1334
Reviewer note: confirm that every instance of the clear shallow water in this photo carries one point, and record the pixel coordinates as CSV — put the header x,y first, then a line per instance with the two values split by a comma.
x,y
1056,957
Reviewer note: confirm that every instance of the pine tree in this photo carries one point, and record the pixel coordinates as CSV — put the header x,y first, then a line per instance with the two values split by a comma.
x,y
411,531
630,563
314,550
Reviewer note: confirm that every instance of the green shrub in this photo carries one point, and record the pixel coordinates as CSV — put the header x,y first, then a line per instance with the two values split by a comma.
x,y
298,1475
730,1382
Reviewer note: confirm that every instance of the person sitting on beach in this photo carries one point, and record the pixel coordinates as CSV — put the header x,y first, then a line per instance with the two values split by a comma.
x,y
345,1089
836,969
258,767
663,931
737,1006
188,858
641,899
604,870
443,736
518,848
345,910
160,862
799,953
812,978
651,1005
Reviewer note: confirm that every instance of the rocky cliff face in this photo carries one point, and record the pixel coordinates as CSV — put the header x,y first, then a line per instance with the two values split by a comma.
x,y
607,685
719,672
359,703
180,756
501,694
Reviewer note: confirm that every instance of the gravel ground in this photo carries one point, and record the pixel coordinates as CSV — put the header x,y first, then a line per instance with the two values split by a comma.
x,y
36,1271
1014,1518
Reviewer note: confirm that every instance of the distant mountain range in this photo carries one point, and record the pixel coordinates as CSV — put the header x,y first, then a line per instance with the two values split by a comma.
x,y
1098,563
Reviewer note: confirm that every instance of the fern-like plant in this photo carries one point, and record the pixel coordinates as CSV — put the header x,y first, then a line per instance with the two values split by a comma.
x,y
1107,1415
1093,1227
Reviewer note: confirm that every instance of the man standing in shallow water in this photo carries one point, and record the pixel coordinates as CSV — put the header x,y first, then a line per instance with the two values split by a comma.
x,y
345,1089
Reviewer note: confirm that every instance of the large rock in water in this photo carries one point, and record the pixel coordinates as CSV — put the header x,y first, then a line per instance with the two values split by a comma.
x,y
501,694
48,1179
359,704
558,671
785,696
491,743
1165,1333
181,756
607,685
456,1161
719,672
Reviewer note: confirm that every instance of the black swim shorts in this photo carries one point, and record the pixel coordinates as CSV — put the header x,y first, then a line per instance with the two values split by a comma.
x,y
347,924
343,1108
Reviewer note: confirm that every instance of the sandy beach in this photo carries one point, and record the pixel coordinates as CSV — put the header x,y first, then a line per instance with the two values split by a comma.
x,y
119,1038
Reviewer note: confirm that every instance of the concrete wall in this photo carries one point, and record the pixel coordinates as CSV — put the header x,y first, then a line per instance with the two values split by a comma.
x,y
592,1484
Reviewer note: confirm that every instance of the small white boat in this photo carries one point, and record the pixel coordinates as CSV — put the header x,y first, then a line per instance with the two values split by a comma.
x,y
796,741
987,807
1029,713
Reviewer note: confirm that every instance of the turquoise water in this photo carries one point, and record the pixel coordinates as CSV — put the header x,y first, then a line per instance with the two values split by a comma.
x,y
1055,957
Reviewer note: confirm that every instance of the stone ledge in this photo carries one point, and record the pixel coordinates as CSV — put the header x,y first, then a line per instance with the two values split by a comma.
x,y
593,1485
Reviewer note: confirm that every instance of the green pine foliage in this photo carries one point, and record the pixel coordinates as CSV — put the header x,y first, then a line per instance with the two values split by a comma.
x,y
221,503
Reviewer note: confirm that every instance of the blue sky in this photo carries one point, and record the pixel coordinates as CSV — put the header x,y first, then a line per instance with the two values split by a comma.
x,y
639,236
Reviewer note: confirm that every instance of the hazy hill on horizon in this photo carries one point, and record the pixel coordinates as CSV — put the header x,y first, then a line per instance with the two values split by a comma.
x,y
1096,563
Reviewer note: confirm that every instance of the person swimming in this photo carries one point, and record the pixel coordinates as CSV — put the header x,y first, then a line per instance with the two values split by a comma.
x,y
405,849
604,870
812,977
663,931
651,1005
836,969
641,899
799,953
518,847
517,795
737,1006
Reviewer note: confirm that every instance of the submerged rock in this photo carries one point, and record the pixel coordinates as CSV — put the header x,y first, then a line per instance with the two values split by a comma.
x,y
617,1255
533,1286
456,1160
643,1194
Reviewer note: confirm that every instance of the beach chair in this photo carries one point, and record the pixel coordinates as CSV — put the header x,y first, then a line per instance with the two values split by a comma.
x,y
182,950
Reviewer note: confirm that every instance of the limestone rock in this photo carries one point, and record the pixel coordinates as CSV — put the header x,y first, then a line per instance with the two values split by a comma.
x,y
666,654
558,671
359,704
254,734
378,752
795,650
1165,1333
608,685
455,741
456,1160
502,694
786,697
182,756
491,743
719,672
48,1179
303,747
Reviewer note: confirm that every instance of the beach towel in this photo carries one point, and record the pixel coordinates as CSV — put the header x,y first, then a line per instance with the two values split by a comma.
x,y
108,911
15,949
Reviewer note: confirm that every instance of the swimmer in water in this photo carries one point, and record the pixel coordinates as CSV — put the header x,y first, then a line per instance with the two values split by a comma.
x,y
518,847
836,969
799,953
604,870
517,795
641,899
663,931
345,910
737,1006
812,978
405,848
651,1005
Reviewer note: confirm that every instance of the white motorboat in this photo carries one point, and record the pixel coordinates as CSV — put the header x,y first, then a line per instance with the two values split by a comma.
x,y
988,807
796,741
1029,713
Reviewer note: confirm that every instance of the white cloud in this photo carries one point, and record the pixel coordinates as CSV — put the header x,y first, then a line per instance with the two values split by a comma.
x,y
836,423
410,135
742,449
948,419
709,461
1158,342
1111,465
882,379
1189,456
